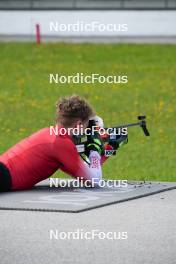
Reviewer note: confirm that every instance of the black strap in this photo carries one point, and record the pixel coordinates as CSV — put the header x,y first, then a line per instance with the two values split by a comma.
x,y
5,178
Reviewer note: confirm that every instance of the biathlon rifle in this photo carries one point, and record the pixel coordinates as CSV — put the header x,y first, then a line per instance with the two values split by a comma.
x,y
110,138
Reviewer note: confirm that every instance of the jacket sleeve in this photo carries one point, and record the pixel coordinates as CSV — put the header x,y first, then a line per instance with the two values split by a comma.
x,y
66,154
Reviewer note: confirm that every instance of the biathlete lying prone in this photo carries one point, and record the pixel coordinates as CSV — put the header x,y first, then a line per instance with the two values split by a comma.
x,y
40,155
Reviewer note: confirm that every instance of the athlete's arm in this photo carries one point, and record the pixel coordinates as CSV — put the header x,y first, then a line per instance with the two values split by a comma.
x,y
66,154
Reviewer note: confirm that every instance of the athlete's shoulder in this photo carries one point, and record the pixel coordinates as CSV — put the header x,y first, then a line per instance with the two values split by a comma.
x,y
41,132
64,149
41,136
62,139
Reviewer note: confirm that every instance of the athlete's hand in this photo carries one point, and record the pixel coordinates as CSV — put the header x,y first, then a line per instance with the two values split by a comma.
x,y
94,145
120,141
94,142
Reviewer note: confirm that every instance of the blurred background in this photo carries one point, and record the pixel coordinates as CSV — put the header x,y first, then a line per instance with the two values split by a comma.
x,y
147,21
146,53
88,4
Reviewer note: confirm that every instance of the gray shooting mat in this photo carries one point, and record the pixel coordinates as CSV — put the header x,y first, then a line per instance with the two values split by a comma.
x,y
44,198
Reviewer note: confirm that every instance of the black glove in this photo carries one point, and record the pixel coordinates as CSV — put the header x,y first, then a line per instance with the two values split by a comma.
x,y
119,141
95,145
94,142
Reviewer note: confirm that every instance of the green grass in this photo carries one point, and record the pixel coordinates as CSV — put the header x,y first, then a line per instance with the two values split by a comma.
x,y
27,100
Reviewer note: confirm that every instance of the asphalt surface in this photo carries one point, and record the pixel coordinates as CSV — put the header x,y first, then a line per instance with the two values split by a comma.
x,y
149,223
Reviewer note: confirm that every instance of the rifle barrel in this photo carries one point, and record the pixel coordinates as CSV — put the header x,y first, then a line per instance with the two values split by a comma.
x,y
128,125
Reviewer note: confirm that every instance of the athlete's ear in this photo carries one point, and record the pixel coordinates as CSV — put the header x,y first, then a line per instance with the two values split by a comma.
x,y
86,123
78,123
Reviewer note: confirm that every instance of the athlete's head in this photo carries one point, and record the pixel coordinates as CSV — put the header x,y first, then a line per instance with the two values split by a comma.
x,y
73,111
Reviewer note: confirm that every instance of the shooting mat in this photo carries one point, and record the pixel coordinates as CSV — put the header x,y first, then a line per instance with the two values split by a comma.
x,y
74,200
